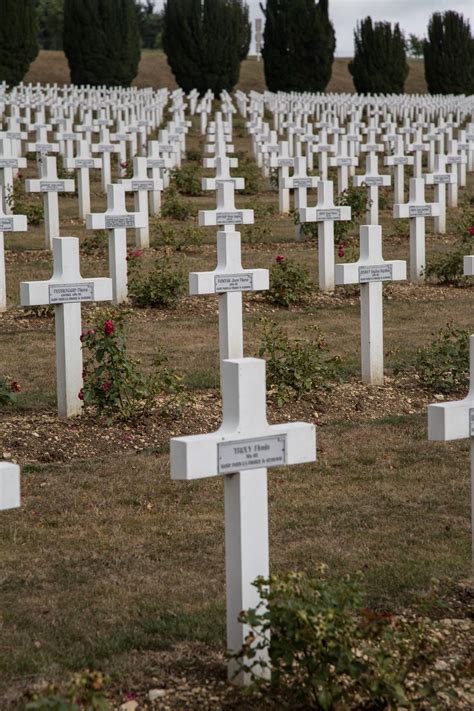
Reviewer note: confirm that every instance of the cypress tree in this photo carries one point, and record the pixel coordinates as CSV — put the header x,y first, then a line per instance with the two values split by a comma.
x,y
101,41
449,54
298,45
18,41
204,41
380,64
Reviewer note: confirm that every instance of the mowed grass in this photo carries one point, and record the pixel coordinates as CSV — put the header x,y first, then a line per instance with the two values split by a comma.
x,y
108,557
52,67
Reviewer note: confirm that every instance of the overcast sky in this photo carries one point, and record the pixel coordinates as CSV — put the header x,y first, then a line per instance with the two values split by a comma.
x,y
412,15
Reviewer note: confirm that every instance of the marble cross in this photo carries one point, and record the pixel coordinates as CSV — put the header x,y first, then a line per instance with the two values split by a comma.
x,y
9,486
8,223
373,180
448,421
417,210
82,163
66,290
140,185
326,213
49,185
117,221
370,271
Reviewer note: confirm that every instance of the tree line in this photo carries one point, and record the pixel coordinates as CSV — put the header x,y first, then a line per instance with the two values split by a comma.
x,y
206,40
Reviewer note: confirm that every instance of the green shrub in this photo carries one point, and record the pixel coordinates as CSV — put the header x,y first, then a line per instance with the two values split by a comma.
x,y
289,283
160,287
327,651
187,179
8,391
113,384
443,365
22,203
174,206
297,367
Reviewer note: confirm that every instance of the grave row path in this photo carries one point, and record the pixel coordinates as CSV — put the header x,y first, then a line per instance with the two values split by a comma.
x,y
147,130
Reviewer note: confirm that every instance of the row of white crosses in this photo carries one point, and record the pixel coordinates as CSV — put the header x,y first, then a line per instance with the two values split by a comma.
x,y
245,445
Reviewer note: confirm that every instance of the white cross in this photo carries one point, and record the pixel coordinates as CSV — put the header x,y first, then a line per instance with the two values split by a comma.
x,y
9,486
105,148
343,162
49,185
117,220
242,449
8,164
373,180
67,289
82,163
440,177
226,212
140,185
417,210
222,173
398,160
370,271
8,223
325,214
455,420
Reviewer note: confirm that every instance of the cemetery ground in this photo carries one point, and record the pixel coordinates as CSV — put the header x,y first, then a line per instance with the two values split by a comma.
x,y
110,566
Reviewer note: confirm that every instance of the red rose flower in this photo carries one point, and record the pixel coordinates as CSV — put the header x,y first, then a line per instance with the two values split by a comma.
x,y
279,258
109,327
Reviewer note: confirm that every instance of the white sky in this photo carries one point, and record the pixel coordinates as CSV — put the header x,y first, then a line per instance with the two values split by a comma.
x,y
412,15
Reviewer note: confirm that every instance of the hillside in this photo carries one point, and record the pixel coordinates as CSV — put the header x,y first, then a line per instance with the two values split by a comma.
x,y
154,71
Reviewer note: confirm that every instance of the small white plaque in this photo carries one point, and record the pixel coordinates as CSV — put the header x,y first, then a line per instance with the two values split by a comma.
x,y
6,224
263,452
71,293
8,162
233,282
382,272
419,211
229,218
302,182
84,162
471,422
117,221
334,214
55,186
143,185
374,181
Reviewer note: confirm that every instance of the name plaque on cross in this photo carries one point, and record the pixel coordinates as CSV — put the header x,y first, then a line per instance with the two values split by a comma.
x,y
471,422
233,282
382,272
251,454
6,224
112,222
52,187
420,211
142,185
71,293
229,218
328,214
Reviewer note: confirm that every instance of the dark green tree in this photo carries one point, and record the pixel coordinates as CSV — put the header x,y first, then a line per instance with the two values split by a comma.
x,y
380,64
150,24
298,45
50,15
101,41
449,54
204,41
18,38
